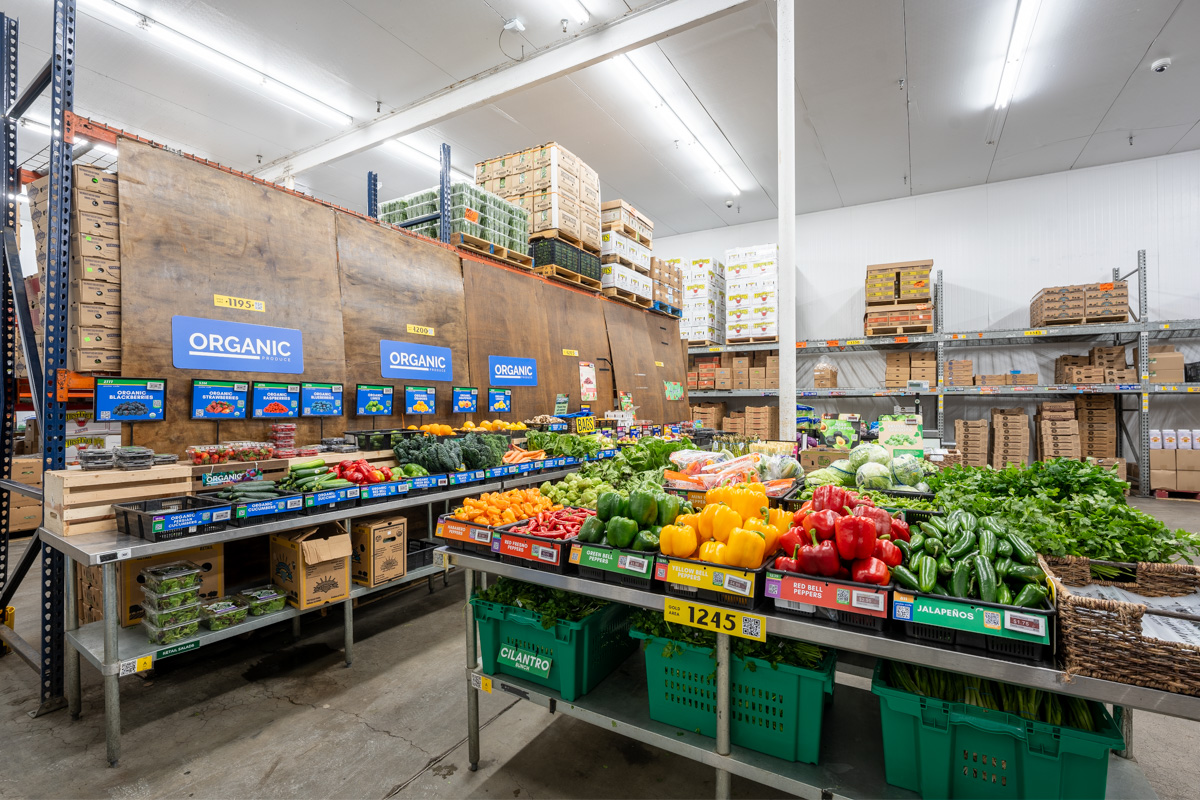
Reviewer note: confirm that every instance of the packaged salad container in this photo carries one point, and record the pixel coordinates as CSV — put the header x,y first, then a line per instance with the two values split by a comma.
x,y
166,617
162,602
172,633
171,577
263,599
223,613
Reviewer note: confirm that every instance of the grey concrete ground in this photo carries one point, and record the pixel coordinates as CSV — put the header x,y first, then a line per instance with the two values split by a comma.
x,y
262,716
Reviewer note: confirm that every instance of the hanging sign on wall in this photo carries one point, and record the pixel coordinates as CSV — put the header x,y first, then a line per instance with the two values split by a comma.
x,y
420,362
510,371
198,343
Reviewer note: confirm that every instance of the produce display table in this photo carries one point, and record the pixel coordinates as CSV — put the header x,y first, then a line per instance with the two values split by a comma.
x,y
117,651
619,703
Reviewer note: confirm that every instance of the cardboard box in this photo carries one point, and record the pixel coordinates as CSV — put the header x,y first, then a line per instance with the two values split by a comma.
x,y
1163,479
210,559
1187,481
94,180
1163,460
94,268
1185,460
380,550
89,337
94,315
96,292
312,565
85,359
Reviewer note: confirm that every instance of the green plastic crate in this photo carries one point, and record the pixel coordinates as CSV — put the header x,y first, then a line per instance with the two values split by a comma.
x,y
954,750
581,653
774,711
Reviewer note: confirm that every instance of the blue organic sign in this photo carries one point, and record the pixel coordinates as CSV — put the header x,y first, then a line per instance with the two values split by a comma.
x,y
219,399
419,400
466,399
129,399
507,371
320,399
198,343
415,362
374,401
275,400
499,400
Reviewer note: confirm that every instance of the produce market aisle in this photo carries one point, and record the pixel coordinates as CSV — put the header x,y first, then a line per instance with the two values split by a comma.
x,y
256,717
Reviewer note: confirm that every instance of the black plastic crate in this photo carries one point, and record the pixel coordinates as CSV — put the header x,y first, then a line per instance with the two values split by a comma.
x,y
854,619
557,252
589,265
373,439
314,502
1013,648
254,512
914,516
382,492
561,566
747,602
420,554
166,519
621,578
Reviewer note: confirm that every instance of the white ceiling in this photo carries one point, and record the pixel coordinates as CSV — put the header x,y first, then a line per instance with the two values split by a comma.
x,y
1084,89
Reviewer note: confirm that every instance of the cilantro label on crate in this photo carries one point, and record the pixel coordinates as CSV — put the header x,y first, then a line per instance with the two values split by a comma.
x,y
610,560
524,660
1006,623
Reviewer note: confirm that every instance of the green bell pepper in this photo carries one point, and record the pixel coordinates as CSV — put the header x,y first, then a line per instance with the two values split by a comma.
x,y
620,531
643,508
645,542
668,508
592,531
608,505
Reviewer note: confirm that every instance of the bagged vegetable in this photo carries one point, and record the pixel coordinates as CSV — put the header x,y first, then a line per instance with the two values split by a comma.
x,y
870,452
873,475
907,470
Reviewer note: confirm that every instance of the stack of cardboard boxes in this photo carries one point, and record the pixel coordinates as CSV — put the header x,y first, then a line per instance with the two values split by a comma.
x,y
762,422
752,293
666,277
1014,378
1058,431
25,513
960,373
896,369
734,423
923,367
1175,470
560,192
1097,418
703,374
709,415
899,298
1166,364
626,249
757,371
1112,361
703,302
94,318
971,440
825,376
1081,302
1010,437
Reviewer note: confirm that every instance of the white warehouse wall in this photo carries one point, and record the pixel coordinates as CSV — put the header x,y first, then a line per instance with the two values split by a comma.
x,y
996,245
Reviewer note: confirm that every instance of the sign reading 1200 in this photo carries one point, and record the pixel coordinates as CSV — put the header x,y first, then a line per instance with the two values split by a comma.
x,y
198,343
419,362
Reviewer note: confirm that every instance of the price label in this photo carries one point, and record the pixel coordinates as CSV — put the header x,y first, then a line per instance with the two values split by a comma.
x,y
574,353
419,330
481,682
715,349
585,425
658,363
900,339
717,620
136,665
801,344
1038,332
853,341
239,303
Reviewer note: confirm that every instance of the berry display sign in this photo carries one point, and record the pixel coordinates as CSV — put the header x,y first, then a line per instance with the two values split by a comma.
x,y
219,400
278,400
320,399
129,399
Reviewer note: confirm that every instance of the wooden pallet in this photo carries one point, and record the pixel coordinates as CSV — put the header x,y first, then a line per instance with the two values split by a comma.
x,y
614,258
81,502
888,330
626,297
564,275
474,243
663,308
1170,494
627,230
754,340
569,238
705,343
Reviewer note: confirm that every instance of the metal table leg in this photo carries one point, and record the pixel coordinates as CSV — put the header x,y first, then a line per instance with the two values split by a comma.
x,y
472,663
348,629
112,662
71,664
296,627
1125,719
723,777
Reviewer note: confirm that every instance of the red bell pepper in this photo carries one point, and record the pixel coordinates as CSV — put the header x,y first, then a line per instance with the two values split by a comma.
x,y
387,473
795,537
854,500
888,553
870,570
842,573
829,498
823,523
821,559
855,537
789,564
900,530
883,520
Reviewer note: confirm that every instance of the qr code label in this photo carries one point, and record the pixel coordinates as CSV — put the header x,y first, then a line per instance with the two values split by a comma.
x,y
991,619
843,596
902,611
752,627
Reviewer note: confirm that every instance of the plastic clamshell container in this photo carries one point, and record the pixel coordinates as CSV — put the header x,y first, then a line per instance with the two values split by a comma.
x,y
263,600
225,612
171,577
163,602
166,617
172,633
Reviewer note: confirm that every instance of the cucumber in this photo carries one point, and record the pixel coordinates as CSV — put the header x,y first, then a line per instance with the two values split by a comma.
x,y
252,485
961,579
987,577
255,496
316,462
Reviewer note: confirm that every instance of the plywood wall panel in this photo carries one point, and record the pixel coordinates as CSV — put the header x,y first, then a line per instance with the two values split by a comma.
x,y
576,322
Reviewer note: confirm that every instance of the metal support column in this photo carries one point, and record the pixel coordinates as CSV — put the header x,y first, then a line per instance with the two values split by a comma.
x,y
348,629
472,663
8,317
723,744
444,195
74,693
373,195
1143,367
939,326
111,667
785,98
56,287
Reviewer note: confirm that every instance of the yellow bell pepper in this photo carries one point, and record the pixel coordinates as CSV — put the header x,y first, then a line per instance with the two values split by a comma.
x,y
713,552
706,517
677,540
780,520
690,520
745,549
717,494
725,519
747,501
769,532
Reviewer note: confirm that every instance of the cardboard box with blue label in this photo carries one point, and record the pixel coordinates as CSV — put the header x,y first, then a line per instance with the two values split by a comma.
x,y
380,549
312,565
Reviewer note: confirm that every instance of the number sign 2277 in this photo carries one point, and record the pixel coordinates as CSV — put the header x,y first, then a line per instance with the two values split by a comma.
x,y
717,620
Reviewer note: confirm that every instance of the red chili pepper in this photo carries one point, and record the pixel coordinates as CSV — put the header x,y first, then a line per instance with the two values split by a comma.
x,y
855,537
870,570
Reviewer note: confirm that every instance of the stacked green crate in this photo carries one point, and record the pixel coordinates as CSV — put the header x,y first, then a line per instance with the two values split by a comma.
x,y
472,211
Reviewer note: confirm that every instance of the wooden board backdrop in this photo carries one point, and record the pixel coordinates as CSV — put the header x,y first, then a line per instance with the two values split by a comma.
x,y
637,340
188,232
576,322
389,280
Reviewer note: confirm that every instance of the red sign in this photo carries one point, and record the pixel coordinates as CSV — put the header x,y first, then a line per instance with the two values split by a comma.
x,y
529,550
462,532
849,597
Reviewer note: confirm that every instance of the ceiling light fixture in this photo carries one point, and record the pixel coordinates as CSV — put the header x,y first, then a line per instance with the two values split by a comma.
x,y
638,82
1018,42
35,126
20,198
575,11
97,147
212,57
413,154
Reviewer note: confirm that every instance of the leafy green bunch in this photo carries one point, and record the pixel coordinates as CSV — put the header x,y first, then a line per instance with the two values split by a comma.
x,y
775,650
551,604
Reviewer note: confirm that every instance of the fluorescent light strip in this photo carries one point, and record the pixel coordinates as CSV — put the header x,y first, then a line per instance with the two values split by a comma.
x,y
197,51
639,83
35,126
98,147
1018,43
575,11
413,154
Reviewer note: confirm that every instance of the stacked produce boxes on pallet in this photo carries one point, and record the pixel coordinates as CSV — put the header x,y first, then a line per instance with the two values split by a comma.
x,y
617,215
703,302
752,294
1010,437
474,212
971,440
899,298
566,263
666,275
1080,303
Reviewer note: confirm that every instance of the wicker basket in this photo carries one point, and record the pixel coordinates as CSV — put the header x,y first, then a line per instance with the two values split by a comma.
x,y
1103,638
951,459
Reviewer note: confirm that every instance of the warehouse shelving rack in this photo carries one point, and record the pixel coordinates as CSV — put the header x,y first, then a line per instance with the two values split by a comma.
x,y
441,216
1138,333
619,703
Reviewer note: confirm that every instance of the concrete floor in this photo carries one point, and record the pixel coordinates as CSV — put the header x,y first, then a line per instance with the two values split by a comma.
x,y
263,716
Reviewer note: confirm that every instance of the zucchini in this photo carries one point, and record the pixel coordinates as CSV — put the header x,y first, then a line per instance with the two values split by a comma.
x,y
307,473
961,578
987,577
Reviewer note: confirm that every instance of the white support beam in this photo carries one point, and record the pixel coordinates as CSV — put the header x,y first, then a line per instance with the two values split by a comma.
x,y
630,32
786,100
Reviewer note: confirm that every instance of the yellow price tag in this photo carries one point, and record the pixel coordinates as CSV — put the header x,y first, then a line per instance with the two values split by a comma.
x,y
1038,332
419,330
585,424
574,353
481,682
849,342
658,363
715,349
717,620
239,303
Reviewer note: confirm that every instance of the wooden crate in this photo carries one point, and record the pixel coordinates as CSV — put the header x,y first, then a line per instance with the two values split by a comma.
x,y
81,502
